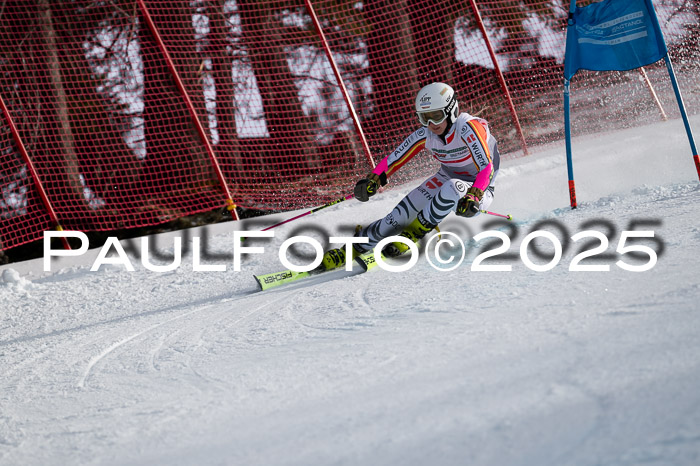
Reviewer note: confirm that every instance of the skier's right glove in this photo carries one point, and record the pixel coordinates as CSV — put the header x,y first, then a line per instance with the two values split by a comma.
x,y
368,187
468,206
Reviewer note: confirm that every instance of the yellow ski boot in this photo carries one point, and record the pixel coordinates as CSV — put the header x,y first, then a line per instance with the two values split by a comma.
x,y
335,258
415,231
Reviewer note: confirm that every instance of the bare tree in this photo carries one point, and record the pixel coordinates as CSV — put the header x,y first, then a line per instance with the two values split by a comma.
x,y
433,37
394,77
290,130
57,94
95,43
221,57
177,165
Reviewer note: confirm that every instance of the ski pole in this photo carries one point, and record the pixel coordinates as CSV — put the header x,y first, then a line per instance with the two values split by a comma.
x,y
315,209
509,217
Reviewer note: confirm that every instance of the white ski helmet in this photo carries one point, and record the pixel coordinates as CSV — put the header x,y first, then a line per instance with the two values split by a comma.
x,y
435,102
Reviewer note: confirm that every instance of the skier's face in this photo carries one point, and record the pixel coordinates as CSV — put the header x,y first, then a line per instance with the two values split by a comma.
x,y
437,129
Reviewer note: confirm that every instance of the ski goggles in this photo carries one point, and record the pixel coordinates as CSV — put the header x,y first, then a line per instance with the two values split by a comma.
x,y
432,116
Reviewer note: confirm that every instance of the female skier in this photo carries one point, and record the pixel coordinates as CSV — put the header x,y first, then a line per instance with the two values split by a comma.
x,y
469,159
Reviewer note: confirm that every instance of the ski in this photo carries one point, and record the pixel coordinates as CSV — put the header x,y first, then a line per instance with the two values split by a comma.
x,y
275,279
366,262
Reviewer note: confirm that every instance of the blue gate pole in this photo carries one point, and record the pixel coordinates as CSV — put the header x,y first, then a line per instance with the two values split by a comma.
x,y
676,89
567,134
567,120
681,107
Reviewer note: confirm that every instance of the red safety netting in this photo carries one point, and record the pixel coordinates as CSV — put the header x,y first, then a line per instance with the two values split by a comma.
x,y
267,98
117,144
96,109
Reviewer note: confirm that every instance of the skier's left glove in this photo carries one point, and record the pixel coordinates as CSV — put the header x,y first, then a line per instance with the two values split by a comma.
x,y
468,206
368,187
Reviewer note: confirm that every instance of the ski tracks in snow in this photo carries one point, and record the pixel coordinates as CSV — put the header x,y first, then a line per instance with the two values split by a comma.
x,y
67,364
188,326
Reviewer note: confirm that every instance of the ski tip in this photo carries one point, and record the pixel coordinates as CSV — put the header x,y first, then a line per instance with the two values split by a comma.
x,y
272,280
257,280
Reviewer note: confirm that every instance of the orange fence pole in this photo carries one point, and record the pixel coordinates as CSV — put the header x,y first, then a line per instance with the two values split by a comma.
x,y
35,176
341,83
230,205
501,79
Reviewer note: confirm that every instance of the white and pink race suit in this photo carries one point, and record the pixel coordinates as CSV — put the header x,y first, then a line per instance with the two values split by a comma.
x,y
468,155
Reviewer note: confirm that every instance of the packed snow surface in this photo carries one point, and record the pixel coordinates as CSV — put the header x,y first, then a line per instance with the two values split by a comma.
x,y
558,367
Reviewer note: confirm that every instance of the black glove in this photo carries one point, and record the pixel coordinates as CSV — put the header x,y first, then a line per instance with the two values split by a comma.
x,y
468,206
368,187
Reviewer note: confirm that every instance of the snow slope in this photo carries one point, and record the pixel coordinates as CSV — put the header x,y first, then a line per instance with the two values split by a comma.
x,y
421,367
